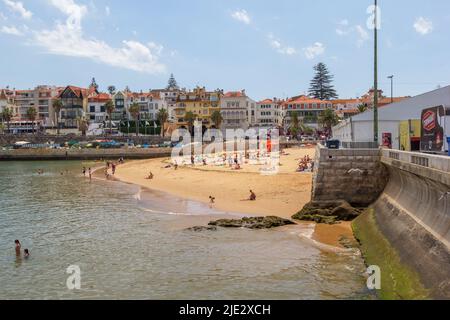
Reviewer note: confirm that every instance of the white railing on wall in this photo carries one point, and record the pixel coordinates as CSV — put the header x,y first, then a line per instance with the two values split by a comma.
x,y
420,159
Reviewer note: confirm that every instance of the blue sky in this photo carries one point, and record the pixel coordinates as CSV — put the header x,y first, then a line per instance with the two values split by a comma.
x,y
266,47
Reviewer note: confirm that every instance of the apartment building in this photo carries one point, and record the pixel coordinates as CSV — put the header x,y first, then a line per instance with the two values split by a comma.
x,y
269,113
308,110
149,104
201,103
234,107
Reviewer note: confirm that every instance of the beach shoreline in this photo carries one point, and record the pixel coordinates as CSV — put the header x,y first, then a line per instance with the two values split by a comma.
x,y
280,195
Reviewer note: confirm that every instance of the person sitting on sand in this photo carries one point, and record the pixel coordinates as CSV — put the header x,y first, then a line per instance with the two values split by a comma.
x,y
26,253
252,196
212,200
204,162
18,247
176,166
237,167
150,176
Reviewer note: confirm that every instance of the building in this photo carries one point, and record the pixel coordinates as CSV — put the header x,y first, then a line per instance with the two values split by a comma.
x,y
75,105
360,127
201,103
269,113
96,112
169,97
234,107
308,110
149,104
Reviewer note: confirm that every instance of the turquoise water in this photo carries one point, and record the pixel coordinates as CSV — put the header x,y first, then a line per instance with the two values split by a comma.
x,y
131,244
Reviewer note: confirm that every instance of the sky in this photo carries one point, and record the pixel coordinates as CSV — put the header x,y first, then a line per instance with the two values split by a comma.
x,y
267,47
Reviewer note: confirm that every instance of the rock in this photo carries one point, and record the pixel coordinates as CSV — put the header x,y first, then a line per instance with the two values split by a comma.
x,y
252,223
202,228
329,212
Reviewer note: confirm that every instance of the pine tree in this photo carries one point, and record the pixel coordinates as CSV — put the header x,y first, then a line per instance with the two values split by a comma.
x,y
322,84
172,84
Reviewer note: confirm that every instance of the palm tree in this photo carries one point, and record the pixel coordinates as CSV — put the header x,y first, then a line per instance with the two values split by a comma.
x,y
110,107
31,115
135,111
7,115
162,116
362,108
83,126
328,119
190,118
217,119
57,106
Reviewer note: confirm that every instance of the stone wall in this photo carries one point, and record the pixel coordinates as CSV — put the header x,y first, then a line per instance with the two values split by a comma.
x,y
10,139
354,175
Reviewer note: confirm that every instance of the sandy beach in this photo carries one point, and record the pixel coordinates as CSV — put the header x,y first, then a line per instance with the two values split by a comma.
x,y
283,194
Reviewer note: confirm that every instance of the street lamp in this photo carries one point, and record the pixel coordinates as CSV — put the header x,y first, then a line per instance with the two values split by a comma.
x,y
392,88
375,96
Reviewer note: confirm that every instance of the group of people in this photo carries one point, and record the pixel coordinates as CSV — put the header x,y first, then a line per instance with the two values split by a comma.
x,y
305,164
26,252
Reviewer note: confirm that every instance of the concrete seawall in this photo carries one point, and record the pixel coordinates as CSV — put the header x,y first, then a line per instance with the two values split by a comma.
x,y
409,198
413,213
82,154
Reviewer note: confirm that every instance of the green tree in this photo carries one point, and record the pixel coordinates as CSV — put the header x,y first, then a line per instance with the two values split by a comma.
x,y
7,115
321,86
328,119
57,106
110,107
112,90
295,124
172,83
217,119
32,115
362,108
190,119
135,112
83,126
162,117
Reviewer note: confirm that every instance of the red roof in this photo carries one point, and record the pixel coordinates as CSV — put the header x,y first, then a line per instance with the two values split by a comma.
x,y
101,97
304,99
234,94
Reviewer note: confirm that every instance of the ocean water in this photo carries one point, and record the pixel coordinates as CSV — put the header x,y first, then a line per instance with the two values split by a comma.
x,y
132,244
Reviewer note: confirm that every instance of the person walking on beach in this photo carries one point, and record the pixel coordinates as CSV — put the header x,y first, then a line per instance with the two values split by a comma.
x,y
84,171
212,200
90,174
113,168
18,247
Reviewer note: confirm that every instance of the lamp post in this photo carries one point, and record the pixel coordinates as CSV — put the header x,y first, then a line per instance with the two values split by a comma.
x,y
375,86
392,88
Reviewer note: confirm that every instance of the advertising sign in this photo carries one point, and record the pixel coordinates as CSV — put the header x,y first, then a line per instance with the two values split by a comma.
x,y
432,139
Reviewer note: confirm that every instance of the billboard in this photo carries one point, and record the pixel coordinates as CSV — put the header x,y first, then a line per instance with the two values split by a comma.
x,y
433,130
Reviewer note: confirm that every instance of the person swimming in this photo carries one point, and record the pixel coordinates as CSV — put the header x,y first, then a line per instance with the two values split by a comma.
x,y
18,247
26,253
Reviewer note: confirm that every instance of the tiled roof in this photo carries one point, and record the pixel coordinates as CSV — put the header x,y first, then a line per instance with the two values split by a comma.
x,y
304,99
234,94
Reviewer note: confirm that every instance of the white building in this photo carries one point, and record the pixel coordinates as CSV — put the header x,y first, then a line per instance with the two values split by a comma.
x,y
96,111
269,113
149,104
360,128
234,106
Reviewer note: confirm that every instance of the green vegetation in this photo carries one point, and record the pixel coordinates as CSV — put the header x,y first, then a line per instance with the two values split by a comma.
x,y
397,280
322,84
162,117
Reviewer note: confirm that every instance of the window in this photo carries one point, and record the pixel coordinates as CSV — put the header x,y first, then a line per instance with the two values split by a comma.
x,y
102,109
92,109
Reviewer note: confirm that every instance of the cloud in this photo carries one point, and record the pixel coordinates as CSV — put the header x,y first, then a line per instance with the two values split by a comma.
x,y
423,26
108,10
279,47
68,39
242,16
363,35
342,28
11,31
314,50
18,7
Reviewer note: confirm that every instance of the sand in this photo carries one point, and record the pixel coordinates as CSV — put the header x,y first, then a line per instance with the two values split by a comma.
x,y
283,194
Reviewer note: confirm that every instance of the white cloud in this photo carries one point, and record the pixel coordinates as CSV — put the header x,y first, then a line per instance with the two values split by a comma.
x,y
18,7
423,26
68,39
314,50
342,28
242,16
11,31
108,10
279,47
363,35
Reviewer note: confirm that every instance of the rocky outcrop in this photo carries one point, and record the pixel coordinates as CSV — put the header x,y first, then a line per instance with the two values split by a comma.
x,y
202,228
252,223
329,212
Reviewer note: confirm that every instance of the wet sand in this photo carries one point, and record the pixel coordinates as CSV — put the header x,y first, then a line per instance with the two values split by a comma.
x,y
281,195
